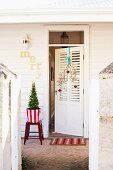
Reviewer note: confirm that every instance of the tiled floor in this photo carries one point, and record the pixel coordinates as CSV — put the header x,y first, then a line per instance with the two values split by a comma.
x,y
53,157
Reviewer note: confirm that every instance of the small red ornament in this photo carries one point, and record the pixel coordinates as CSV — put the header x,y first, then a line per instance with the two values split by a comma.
x,y
68,71
59,90
75,86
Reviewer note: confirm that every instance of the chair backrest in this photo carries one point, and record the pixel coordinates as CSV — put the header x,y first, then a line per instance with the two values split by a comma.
x,y
33,116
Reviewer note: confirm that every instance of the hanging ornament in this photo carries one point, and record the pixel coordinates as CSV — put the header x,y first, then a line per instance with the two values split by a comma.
x,y
69,72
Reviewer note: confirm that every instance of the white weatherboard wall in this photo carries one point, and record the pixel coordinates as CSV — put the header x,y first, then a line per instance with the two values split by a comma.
x,y
101,51
11,36
101,54
10,47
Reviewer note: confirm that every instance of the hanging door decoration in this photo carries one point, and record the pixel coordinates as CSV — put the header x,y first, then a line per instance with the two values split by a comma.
x,y
70,70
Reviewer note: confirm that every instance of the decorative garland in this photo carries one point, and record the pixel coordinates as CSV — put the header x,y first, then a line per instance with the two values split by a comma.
x,y
69,72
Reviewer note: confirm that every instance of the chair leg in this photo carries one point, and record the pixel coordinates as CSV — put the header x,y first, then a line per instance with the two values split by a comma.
x,y
25,136
26,133
40,134
41,131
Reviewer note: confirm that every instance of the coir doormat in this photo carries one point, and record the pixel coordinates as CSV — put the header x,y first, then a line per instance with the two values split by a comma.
x,y
68,141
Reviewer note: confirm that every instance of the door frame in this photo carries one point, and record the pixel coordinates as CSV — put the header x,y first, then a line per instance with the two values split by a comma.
x,y
70,28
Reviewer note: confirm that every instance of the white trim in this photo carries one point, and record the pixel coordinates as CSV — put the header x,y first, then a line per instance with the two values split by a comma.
x,y
56,15
46,85
55,11
84,28
86,81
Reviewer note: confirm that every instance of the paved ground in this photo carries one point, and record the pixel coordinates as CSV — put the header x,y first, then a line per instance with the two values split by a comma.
x,y
53,157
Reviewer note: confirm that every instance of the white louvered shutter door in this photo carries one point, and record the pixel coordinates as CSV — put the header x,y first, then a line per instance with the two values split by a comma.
x,y
76,90
69,101
62,65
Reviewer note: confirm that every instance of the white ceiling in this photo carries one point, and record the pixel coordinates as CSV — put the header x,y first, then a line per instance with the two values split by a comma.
x,y
55,4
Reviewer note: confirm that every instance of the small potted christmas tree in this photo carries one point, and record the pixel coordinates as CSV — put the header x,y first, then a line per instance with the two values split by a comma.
x,y
33,106
33,99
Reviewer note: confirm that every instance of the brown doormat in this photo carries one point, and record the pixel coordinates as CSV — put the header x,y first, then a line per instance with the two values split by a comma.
x,y
68,141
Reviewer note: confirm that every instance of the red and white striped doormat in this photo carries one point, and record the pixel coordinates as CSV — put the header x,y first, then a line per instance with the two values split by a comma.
x,y
68,141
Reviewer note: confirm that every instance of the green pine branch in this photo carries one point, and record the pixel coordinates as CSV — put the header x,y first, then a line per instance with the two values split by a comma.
x,y
33,99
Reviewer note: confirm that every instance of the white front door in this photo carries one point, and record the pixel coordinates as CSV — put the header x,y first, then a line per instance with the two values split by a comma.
x,y
69,95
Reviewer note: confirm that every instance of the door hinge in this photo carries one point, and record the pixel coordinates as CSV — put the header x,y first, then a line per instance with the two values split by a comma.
x,y
83,56
83,91
83,125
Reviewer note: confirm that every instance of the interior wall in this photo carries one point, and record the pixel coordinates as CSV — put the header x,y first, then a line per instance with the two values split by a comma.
x,y
52,81
74,37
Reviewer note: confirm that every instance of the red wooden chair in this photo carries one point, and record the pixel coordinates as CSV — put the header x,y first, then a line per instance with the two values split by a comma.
x,y
33,118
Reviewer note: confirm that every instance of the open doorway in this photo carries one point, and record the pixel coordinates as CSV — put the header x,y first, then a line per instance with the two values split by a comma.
x,y
64,41
52,89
